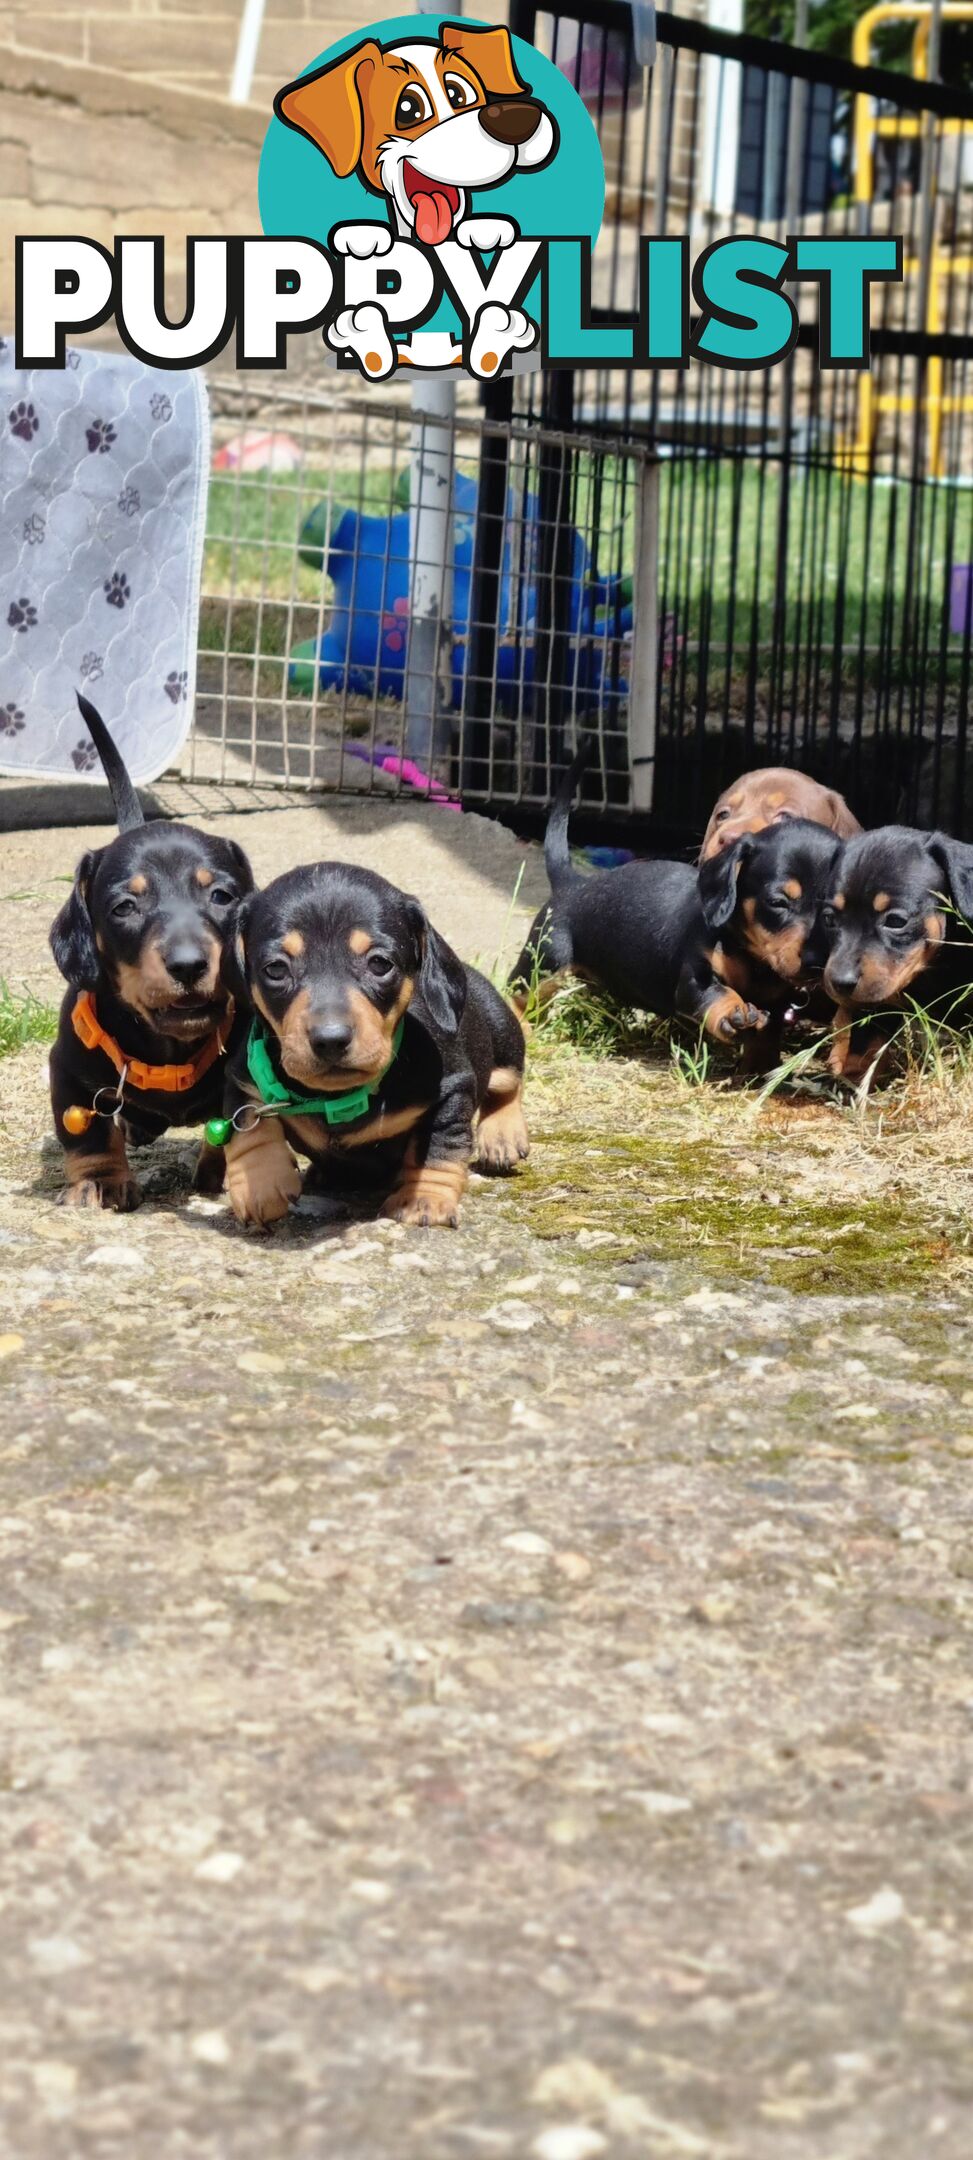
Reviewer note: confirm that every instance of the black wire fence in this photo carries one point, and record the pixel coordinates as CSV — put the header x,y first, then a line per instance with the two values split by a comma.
x,y
812,531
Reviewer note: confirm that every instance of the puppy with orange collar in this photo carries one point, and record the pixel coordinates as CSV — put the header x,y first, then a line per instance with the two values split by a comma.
x,y
425,125
764,797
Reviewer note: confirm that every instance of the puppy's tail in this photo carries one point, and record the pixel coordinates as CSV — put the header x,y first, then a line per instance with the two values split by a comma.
x,y
557,855
128,809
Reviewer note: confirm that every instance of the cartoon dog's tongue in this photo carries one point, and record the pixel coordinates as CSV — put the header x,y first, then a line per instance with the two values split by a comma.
x,y
435,203
434,217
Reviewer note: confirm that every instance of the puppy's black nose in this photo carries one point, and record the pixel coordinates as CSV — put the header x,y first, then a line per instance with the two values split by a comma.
x,y
843,984
187,963
513,121
329,1039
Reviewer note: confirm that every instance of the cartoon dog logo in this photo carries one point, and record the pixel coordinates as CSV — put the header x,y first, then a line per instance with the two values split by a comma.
x,y
425,125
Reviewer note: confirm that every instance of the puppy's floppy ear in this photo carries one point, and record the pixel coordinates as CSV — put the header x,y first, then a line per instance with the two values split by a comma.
x,y
233,966
241,864
489,53
843,820
955,860
717,881
72,937
327,106
442,978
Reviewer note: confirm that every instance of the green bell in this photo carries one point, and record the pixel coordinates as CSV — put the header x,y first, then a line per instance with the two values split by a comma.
x,y
217,1131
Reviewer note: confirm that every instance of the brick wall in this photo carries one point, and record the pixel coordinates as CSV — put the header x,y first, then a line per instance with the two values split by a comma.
x,y
85,150
192,42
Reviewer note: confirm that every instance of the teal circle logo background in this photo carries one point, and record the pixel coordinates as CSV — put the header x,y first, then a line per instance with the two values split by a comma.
x,y
299,194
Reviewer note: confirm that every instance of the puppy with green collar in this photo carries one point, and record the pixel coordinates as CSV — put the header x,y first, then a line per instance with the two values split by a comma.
x,y
370,1046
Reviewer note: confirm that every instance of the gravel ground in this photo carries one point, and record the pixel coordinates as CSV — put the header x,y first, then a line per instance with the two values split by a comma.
x,y
503,1692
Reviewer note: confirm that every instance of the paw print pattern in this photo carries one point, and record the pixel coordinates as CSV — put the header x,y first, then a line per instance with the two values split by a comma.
x,y
129,501
24,421
21,615
92,666
84,756
175,686
160,406
72,358
100,436
117,589
35,530
11,719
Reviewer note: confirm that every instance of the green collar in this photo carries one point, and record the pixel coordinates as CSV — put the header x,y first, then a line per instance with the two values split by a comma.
x,y
336,1109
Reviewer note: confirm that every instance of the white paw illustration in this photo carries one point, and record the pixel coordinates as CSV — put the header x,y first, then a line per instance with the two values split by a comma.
x,y
362,240
485,233
364,331
498,331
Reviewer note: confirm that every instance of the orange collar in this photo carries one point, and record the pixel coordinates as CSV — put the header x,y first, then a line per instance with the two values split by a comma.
x,y
153,1079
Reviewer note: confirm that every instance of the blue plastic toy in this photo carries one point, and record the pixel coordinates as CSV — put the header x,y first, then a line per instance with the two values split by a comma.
x,y
364,647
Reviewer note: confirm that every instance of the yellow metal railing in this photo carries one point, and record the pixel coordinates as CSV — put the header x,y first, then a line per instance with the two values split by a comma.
x,y
944,264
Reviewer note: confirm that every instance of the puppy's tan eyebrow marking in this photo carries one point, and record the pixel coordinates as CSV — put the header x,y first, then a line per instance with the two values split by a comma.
x,y
880,902
793,888
838,901
292,943
203,876
359,941
138,884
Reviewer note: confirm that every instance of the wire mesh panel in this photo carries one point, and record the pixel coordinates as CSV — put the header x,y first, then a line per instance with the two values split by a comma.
x,y
815,544
307,674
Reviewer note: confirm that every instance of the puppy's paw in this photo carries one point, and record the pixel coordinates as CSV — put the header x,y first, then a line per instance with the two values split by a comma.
x,y
364,331
362,241
730,1016
262,1177
502,1139
118,1192
261,1202
485,233
209,1175
498,331
427,1199
865,1061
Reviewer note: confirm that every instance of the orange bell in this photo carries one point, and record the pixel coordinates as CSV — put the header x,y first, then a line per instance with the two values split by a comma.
x,y
76,1119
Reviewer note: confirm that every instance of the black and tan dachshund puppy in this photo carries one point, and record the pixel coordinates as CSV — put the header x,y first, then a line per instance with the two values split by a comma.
x,y
897,924
372,1051
726,947
147,1016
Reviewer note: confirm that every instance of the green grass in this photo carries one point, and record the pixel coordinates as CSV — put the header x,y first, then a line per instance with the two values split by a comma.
x,y
24,1019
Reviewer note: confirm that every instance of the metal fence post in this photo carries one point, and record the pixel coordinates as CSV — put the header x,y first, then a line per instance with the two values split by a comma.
x,y
427,726
644,683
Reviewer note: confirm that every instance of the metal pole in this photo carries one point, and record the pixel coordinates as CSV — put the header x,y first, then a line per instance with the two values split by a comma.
x,y
927,196
428,732
427,726
793,207
645,638
928,177
248,44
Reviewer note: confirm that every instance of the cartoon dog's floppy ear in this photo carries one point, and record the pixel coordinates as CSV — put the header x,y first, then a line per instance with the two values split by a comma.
x,y
489,53
955,860
441,982
717,881
72,937
327,106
